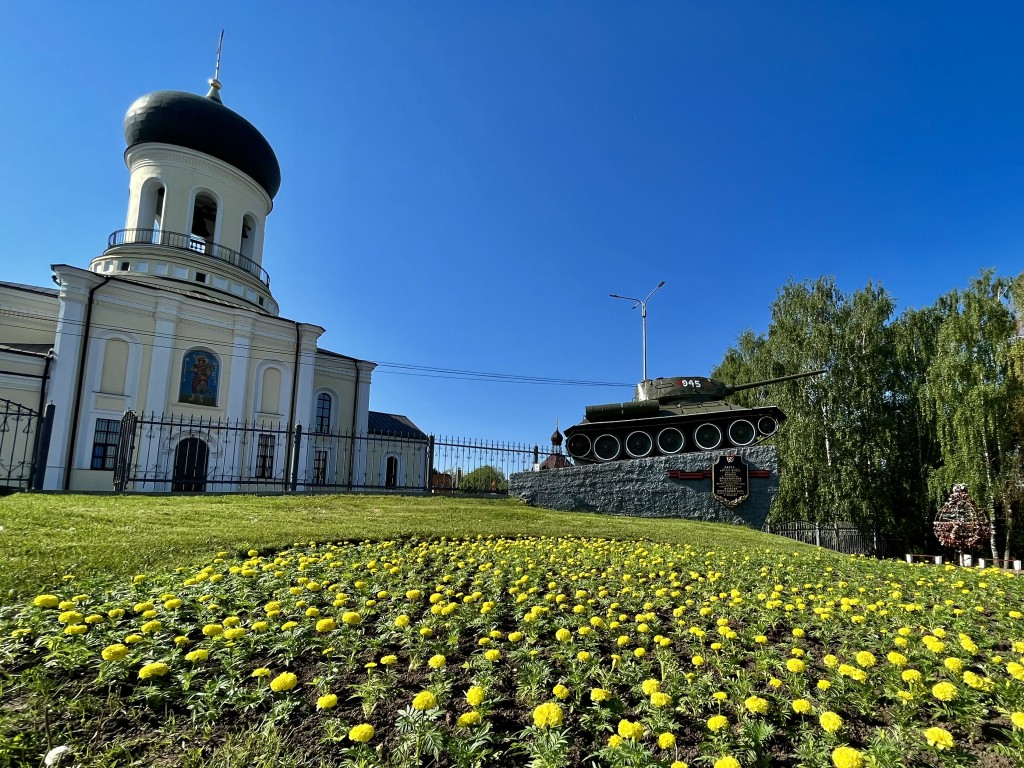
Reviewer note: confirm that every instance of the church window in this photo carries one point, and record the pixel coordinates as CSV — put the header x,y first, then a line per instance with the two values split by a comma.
x,y
265,457
200,277
125,266
323,412
320,468
270,391
248,236
204,223
200,378
151,212
115,367
391,472
104,443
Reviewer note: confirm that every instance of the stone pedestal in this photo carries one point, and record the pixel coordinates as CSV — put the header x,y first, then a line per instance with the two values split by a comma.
x,y
644,488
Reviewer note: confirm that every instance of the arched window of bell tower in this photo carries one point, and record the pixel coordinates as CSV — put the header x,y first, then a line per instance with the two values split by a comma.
x,y
248,236
204,223
151,208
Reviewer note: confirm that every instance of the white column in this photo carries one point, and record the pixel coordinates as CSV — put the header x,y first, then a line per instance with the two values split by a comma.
x,y
308,336
162,378
239,369
67,352
362,419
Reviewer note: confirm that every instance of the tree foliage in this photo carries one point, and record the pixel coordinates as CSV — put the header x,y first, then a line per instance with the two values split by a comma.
x,y
485,479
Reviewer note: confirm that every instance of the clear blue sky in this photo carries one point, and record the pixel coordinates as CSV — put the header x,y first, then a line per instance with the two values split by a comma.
x,y
464,183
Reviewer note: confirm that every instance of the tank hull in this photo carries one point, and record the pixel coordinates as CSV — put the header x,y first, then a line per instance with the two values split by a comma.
x,y
692,428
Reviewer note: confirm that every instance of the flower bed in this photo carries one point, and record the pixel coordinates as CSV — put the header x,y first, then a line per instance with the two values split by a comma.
x,y
555,651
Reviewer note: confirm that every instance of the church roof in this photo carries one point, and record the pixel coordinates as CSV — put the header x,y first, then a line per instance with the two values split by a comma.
x,y
36,350
205,125
30,288
393,424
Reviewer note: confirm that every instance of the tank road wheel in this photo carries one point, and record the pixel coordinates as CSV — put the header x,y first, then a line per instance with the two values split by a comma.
x,y
766,425
671,440
707,437
639,444
607,447
742,432
578,446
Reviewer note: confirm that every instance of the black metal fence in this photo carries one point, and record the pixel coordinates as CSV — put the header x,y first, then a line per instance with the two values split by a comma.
x,y
192,243
24,443
194,455
840,536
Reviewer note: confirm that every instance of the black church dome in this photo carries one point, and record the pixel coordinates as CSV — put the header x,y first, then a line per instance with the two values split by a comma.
x,y
205,125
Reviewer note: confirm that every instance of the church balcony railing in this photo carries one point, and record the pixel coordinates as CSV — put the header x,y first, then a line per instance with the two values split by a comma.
x,y
190,243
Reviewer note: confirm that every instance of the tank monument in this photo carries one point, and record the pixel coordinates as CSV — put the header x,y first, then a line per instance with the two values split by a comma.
x,y
679,449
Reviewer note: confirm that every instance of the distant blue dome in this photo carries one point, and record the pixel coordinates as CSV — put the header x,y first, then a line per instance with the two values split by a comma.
x,y
205,125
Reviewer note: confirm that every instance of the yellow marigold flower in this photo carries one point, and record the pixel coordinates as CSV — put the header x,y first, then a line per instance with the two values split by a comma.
x,y
630,730
563,635
76,629
1017,718
114,652
599,694
424,700
796,666
798,632
866,659
260,672
515,637
831,661
70,617
718,722
284,682
615,741
173,603
698,661
727,762
289,625
847,757
911,676
388,660
650,686
437,661
361,733
561,692
46,601
115,613
413,594
475,695
492,655
235,633
1015,670
944,691
132,639
802,706
327,701
547,715
756,704
639,652
153,669
326,625
200,654
830,721
679,764
469,718
212,630
584,656
667,740
953,664
939,738
896,659
351,618
720,696
761,639
660,700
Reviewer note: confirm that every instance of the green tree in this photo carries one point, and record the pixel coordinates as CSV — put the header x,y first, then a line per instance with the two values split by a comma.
x,y
974,394
485,479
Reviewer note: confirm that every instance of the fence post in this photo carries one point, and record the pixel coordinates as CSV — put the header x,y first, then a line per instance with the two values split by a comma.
x,y
42,449
430,464
125,450
293,482
536,455
817,534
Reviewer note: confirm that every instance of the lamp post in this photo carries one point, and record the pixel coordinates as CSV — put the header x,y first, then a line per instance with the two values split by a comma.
x,y
642,303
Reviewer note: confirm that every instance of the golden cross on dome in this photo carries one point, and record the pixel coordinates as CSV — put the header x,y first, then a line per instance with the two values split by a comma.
x,y
215,81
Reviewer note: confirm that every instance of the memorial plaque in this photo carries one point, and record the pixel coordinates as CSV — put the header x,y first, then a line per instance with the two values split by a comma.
x,y
730,480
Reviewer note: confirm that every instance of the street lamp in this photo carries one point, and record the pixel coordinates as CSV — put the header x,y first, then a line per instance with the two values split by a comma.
x,y
642,303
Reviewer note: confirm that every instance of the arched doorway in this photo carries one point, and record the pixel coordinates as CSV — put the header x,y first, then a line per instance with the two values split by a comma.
x,y
191,458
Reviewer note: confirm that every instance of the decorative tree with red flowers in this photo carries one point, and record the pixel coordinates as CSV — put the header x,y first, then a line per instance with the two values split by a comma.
x,y
960,525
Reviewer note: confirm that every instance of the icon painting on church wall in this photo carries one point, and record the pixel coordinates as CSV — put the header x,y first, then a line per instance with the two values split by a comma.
x,y
199,378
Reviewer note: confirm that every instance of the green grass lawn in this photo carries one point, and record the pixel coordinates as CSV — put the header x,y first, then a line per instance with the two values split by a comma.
x,y
45,537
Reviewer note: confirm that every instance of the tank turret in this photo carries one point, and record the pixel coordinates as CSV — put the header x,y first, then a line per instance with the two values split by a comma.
x,y
674,415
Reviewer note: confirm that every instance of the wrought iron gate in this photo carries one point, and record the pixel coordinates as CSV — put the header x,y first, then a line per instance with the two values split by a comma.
x,y
24,443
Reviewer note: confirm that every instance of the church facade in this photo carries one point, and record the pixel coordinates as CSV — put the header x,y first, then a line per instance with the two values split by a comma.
x,y
175,322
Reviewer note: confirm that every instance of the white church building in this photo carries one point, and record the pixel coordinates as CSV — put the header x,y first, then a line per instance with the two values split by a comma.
x,y
176,325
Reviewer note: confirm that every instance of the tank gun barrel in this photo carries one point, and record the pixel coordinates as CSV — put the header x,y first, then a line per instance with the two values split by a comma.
x,y
739,387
